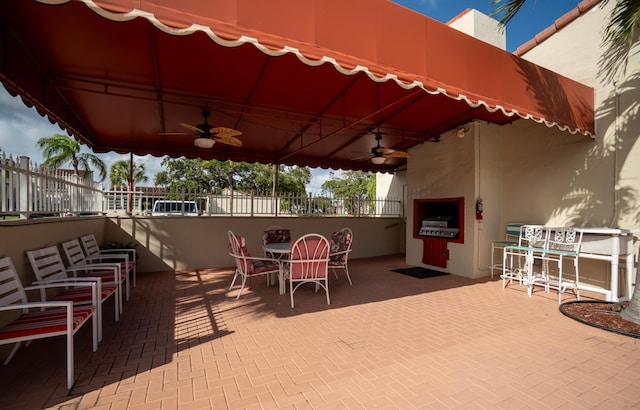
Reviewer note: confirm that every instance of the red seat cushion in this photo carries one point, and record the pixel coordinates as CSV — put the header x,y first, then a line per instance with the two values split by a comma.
x,y
123,265
45,322
249,266
314,268
263,266
84,294
107,276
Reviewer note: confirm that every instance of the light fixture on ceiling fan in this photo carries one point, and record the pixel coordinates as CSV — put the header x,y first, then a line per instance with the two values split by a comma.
x,y
203,142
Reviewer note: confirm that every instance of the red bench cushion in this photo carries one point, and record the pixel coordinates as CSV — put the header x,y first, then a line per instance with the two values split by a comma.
x,y
44,322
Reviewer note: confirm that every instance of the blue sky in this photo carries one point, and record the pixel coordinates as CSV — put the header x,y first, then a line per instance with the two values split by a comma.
x,y
535,16
21,127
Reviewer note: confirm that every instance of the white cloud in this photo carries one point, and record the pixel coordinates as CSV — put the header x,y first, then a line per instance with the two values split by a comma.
x,y
318,177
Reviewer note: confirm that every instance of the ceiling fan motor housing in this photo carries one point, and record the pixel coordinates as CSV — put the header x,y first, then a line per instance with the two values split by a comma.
x,y
205,127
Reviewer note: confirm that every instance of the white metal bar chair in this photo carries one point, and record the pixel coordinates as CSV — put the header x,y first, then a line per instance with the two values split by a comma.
x,y
562,244
517,260
511,239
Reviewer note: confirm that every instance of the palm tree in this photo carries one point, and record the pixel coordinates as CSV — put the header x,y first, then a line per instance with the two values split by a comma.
x,y
126,171
619,31
60,149
619,36
120,170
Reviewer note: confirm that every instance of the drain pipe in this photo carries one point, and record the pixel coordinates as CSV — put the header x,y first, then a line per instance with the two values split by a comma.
x,y
616,137
476,138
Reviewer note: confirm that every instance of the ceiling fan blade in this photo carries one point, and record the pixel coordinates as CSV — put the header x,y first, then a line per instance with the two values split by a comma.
x,y
226,136
192,128
224,132
399,154
233,141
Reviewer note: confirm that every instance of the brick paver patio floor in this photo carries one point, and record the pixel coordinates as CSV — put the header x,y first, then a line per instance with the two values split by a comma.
x,y
389,341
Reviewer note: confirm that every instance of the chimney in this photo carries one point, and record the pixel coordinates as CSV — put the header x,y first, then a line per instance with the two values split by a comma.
x,y
480,26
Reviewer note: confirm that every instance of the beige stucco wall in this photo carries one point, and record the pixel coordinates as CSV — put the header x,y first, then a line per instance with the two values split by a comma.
x,y
18,237
189,242
606,186
527,172
395,186
469,167
524,172
201,242
614,158
446,169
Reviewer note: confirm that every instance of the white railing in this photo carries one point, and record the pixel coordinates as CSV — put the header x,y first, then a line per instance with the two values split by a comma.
x,y
235,203
29,191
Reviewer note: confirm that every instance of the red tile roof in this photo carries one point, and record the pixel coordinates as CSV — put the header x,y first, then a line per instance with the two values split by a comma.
x,y
561,22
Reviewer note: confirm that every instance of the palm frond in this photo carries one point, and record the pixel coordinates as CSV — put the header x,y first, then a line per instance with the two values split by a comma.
x,y
621,29
86,160
505,10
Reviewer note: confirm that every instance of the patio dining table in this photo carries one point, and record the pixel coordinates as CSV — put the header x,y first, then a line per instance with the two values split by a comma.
x,y
280,252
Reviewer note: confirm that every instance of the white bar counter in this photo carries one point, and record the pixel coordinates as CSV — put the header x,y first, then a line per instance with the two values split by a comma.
x,y
610,244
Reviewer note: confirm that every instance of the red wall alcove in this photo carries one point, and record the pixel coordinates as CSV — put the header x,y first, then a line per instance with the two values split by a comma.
x,y
435,251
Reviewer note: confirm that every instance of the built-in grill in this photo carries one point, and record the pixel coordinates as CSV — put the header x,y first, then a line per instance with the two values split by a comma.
x,y
436,222
438,226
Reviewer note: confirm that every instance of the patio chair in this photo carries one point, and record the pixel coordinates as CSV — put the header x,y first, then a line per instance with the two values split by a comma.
x,y
309,263
48,267
125,256
341,243
518,260
111,271
273,228
561,244
275,234
38,320
511,239
248,266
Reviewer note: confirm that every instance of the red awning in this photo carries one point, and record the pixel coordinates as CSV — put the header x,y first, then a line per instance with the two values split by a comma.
x,y
306,82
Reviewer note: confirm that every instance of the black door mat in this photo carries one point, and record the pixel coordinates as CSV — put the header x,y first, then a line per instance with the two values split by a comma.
x,y
420,273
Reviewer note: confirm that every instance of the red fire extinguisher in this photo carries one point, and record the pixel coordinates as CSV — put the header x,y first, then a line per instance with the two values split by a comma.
x,y
479,209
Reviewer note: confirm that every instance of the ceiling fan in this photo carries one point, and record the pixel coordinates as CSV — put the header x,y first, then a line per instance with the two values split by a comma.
x,y
209,135
379,154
